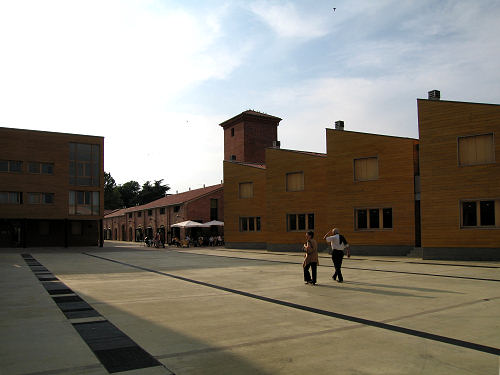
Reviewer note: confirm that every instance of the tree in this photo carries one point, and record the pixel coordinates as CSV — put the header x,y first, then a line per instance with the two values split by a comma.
x,y
129,192
112,196
150,192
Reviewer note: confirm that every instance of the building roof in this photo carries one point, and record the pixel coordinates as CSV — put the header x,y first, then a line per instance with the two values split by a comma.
x,y
254,165
249,114
320,154
169,200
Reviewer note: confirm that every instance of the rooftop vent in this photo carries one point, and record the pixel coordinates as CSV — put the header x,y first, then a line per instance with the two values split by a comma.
x,y
276,144
434,95
339,125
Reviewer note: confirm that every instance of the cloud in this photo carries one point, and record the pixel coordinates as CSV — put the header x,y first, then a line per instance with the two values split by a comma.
x,y
289,22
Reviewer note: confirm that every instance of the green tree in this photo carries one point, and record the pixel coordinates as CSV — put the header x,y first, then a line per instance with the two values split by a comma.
x,y
151,192
112,196
129,192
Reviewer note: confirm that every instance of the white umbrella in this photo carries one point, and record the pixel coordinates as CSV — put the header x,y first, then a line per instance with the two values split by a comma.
x,y
188,224
215,223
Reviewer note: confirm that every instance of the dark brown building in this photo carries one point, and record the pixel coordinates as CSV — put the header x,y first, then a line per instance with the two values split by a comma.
x,y
51,188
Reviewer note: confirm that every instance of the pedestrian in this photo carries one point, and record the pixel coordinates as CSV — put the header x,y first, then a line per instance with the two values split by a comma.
x,y
310,258
338,243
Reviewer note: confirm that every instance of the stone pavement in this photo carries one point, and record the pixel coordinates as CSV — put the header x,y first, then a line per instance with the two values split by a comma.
x,y
128,309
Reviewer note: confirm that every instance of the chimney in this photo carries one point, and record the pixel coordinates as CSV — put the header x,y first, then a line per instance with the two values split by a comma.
x,y
276,144
339,125
434,95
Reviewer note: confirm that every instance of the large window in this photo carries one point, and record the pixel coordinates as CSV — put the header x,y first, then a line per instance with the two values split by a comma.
x,y
246,190
84,164
40,198
373,218
299,222
250,224
214,209
11,197
366,169
84,203
295,181
476,149
37,167
11,166
480,213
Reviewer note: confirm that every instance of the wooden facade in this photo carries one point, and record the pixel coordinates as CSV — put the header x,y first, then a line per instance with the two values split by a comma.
x,y
446,184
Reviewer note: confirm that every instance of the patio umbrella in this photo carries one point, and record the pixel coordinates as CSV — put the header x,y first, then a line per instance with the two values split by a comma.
x,y
189,224
215,223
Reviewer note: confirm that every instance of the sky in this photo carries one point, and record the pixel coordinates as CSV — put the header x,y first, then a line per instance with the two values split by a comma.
x,y
155,78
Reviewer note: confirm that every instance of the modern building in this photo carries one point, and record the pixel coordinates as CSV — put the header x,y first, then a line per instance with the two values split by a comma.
x,y
134,223
437,196
51,188
460,179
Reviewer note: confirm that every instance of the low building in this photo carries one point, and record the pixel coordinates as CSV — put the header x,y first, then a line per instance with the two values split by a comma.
x,y
135,223
51,188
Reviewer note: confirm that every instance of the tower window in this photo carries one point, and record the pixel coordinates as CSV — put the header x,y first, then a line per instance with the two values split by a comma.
x,y
232,132
233,157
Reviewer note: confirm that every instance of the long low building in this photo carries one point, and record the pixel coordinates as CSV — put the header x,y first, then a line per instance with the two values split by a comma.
x,y
135,223
437,196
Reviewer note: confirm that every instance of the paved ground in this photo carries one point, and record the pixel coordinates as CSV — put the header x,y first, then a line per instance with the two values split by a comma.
x,y
135,310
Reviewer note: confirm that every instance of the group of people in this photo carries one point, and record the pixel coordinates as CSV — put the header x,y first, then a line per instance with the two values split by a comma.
x,y
200,241
338,244
155,241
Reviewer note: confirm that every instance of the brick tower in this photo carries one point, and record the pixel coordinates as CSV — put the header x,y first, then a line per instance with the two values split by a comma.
x,y
247,135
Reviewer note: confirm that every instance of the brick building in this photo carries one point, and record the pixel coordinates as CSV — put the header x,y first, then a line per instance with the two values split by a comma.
x,y
51,188
438,196
134,223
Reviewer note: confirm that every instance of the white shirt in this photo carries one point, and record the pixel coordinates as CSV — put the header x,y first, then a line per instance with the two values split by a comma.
x,y
335,242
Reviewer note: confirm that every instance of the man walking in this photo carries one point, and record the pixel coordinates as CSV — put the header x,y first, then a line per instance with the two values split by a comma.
x,y
338,243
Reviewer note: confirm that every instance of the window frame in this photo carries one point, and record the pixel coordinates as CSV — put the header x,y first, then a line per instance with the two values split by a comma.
x,y
239,189
365,158
381,223
307,221
477,201
293,173
256,220
475,164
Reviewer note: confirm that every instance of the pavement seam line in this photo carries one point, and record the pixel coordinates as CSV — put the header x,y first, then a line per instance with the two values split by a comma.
x,y
367,322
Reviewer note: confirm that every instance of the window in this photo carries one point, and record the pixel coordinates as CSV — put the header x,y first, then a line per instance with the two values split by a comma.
x,y
11,166
11,197
249,224
40,198
150,212
295,181
47,168
130,215
214,209
84,164
476,149
139,213
36,167
373,218
232,132
33,167
366,169
246,190
84,203
233,157
300,222
481,213
162,211
177,208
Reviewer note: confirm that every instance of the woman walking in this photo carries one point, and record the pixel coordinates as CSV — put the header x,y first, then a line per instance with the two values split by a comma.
x,y
310,258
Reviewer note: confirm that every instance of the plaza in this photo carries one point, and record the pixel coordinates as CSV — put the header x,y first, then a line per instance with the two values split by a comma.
x,y
128,309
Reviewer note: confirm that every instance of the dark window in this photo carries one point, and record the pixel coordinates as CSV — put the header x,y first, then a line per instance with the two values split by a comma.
x,y
257,224
232,132
162,211
83,165
11,197
243,224
177,208
48,198
33,167
374,218
469,214
4,166
487,212
47,168
292,222
387,217
362,219
139,213
233,157
15,166
130,215
150,212
310,221
213,209
251,224
302,221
